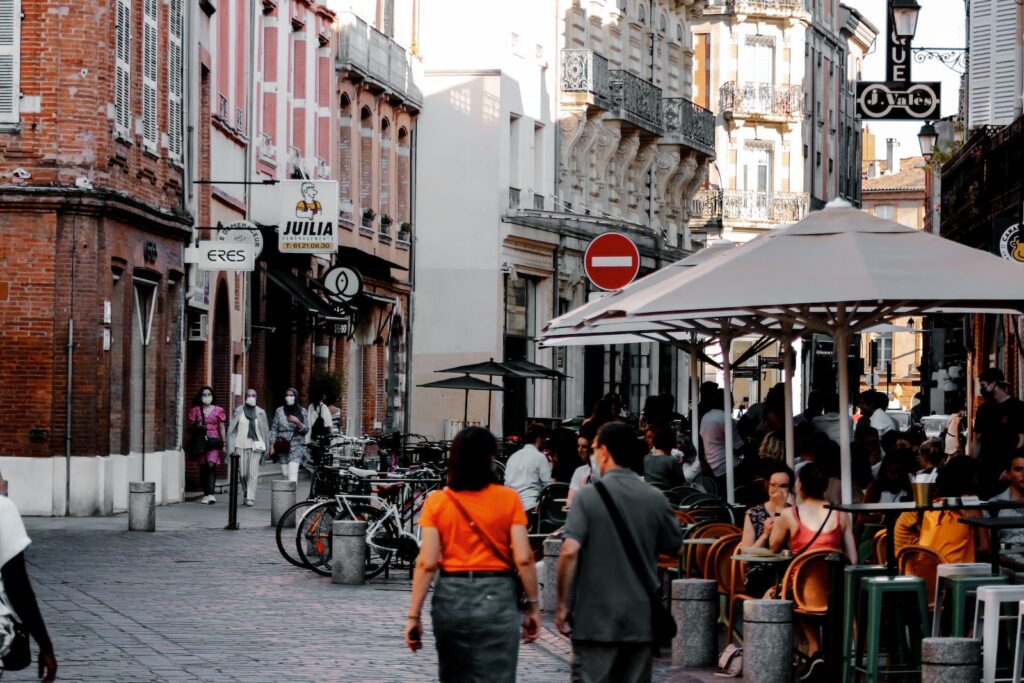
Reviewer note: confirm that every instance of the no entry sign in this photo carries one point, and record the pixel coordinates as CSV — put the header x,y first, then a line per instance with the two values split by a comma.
x,y
611,261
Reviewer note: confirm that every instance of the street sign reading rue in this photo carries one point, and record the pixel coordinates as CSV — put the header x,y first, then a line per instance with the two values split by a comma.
x,y
898,100
611,261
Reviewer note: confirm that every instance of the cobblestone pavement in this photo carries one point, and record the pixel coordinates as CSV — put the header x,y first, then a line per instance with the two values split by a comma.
x,y
193,602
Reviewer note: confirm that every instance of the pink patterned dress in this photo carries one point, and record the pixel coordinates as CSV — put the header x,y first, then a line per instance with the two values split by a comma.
x,y
214,419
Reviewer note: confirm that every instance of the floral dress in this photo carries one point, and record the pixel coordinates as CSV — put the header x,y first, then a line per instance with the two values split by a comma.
x,y
214,419
282,428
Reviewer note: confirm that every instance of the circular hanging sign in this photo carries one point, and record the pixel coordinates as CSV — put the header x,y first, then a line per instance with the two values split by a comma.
x,y
342,283
1011,246
243,231
611,261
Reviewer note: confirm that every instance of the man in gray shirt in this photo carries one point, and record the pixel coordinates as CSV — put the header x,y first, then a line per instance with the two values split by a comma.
x,y
602,603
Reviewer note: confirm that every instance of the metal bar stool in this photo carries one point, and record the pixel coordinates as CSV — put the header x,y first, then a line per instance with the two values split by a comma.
x,y
946,571
990,601
1018,657
852,576
963,594
874,590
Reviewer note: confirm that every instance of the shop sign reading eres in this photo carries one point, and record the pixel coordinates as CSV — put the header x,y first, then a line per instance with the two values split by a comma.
x,y
224,255
307,217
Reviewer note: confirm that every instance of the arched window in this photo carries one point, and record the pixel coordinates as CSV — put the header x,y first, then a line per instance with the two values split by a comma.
x,y
641,14
384,196
345,149
365,158
679,33
402,161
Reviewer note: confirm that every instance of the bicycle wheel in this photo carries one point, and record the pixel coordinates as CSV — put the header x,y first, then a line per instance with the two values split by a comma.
x,y
381,538
313,537
292,514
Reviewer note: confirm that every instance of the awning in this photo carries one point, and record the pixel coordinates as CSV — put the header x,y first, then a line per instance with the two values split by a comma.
x,y
368,265
302,295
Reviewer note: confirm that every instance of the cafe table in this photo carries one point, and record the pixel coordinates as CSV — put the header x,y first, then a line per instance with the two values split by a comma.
x,y
777,561
994,525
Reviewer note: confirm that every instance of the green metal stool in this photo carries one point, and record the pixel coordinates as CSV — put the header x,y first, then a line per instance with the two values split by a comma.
x,y
963,593
852,577
874,590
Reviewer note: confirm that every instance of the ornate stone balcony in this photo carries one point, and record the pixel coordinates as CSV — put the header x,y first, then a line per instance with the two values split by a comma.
x,y
689,124
584,72
748,206
379,60
767,8
762,101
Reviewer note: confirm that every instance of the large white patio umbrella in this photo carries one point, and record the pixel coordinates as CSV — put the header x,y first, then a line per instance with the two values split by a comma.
x,y
838,272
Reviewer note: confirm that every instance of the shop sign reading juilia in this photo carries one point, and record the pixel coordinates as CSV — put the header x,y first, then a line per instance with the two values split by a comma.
x,y
307,216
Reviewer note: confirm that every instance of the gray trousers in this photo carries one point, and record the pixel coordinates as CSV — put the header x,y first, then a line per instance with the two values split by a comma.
x,y
476,627
594,662
249,472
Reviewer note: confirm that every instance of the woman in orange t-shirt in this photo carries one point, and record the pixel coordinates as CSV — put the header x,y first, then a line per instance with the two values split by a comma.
x,y
475,532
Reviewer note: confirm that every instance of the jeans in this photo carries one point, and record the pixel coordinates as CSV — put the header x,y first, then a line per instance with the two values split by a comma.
x,y
208,477
476,627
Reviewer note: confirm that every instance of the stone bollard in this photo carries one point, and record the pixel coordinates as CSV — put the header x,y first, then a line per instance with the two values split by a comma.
x,y
141,506
768,641
282,497
348,553
950,660
695,608
549,594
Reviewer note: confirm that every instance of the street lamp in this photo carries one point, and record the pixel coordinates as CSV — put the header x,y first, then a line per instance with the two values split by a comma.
x,y
904,15
928,136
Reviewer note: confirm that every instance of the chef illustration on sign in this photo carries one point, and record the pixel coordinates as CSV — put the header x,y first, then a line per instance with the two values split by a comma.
x,y
308,207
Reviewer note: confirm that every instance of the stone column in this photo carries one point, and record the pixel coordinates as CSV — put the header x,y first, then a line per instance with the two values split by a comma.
x,y
768,641
950,660
348,553
282,497
695,608
549,594
142,506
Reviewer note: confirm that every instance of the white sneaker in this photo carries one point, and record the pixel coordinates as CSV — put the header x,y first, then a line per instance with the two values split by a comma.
x,y
204,500
249,503
210,500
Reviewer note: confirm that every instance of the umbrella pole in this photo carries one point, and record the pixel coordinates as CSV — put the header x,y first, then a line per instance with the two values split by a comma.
x,y
489,405
787,368
465,409
845,471
694,417
726,343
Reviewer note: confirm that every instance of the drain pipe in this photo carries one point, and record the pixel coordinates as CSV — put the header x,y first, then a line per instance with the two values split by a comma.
x,y
67,425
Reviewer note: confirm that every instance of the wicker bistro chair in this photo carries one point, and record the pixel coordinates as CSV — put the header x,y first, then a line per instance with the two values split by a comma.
x,y
696,555
881,555
719,561
551,511
923,562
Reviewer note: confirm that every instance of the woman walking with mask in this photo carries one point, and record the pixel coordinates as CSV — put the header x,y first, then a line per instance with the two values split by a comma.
x,y
289,427
205,412
249,436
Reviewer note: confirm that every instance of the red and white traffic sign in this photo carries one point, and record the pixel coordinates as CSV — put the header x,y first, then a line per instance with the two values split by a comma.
x,y
611,261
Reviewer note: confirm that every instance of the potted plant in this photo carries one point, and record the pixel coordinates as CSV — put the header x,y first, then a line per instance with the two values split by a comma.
x,y
404,231
368,216
385,223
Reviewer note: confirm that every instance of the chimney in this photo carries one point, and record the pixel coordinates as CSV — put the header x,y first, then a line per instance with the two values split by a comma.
x,y
892,160
873,169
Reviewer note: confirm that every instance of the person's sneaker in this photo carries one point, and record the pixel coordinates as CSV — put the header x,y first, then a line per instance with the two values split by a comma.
x,y
204,500
815,667
210,500
249,503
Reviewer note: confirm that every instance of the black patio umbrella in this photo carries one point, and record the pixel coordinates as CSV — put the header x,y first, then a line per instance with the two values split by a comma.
x,y
535,369
492,368
467,384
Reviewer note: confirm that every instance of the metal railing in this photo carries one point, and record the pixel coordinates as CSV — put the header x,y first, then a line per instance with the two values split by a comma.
x,y
759,6
762,99
585,71
692,122
638,98
706,204
772,207
513,198
367,50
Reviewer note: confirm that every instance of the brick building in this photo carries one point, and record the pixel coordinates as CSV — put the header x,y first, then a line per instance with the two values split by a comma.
x,y
92,225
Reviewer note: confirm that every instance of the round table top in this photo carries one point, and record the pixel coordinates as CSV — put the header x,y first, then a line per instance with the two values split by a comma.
x,y
762,558
699,541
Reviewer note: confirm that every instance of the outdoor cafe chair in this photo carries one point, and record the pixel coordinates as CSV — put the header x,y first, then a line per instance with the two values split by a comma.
x,y
923,562
706,484
807,581
719,561
737,593
696,554
676,495
880,555
551,511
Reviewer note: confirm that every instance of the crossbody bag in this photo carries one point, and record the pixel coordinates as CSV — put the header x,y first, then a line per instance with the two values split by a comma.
x,y
521,599
663,625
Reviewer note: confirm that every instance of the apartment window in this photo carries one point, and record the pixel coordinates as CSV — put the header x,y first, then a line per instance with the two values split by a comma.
x,y
10,66
887,211
513,151
123,69
756,172
149,75
175,91
538,158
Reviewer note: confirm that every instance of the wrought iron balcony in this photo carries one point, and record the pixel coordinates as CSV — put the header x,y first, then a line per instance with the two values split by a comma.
x,y
691,123
585,71
757,7
711,203
762,100
380,60
513,198
637,101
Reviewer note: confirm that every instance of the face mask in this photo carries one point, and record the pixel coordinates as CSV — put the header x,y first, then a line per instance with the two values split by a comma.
x,y
986,393
289,400
250,400
207,400
593,464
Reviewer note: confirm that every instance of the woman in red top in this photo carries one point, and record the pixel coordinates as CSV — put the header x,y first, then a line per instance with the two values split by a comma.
x,y
206,412
475,532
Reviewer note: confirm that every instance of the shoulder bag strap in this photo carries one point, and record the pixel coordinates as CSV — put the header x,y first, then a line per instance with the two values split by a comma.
x,y
491,545
627,540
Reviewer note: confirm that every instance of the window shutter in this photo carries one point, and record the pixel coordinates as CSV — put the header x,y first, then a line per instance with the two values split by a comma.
x,y
1005,78
10,29
174,81
123,69
149,69
299,67
979,100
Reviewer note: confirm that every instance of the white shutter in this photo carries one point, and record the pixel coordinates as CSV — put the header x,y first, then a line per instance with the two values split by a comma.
x,y
123,69
10,34
1006,79
174,80
149,70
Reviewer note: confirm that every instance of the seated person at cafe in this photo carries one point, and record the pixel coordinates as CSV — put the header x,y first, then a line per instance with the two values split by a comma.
x,y
930,456
893,483
757,528
1013,562
809,525
661,469
941,530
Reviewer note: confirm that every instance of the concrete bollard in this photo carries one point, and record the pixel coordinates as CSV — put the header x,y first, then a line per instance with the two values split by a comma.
x,y
348,552
695,608
549,593
282,497
141,506
768,641
950,660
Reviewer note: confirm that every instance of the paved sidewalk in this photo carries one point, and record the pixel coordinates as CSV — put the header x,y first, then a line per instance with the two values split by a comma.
x,y
193,602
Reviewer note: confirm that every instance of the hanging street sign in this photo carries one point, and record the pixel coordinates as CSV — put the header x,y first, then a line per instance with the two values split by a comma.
x,y
221,255
342,284
1011,246
243,231
611,261
307,216
896,100
771,362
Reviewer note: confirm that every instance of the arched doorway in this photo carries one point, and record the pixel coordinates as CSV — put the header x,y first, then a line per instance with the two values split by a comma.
x,y
220,363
